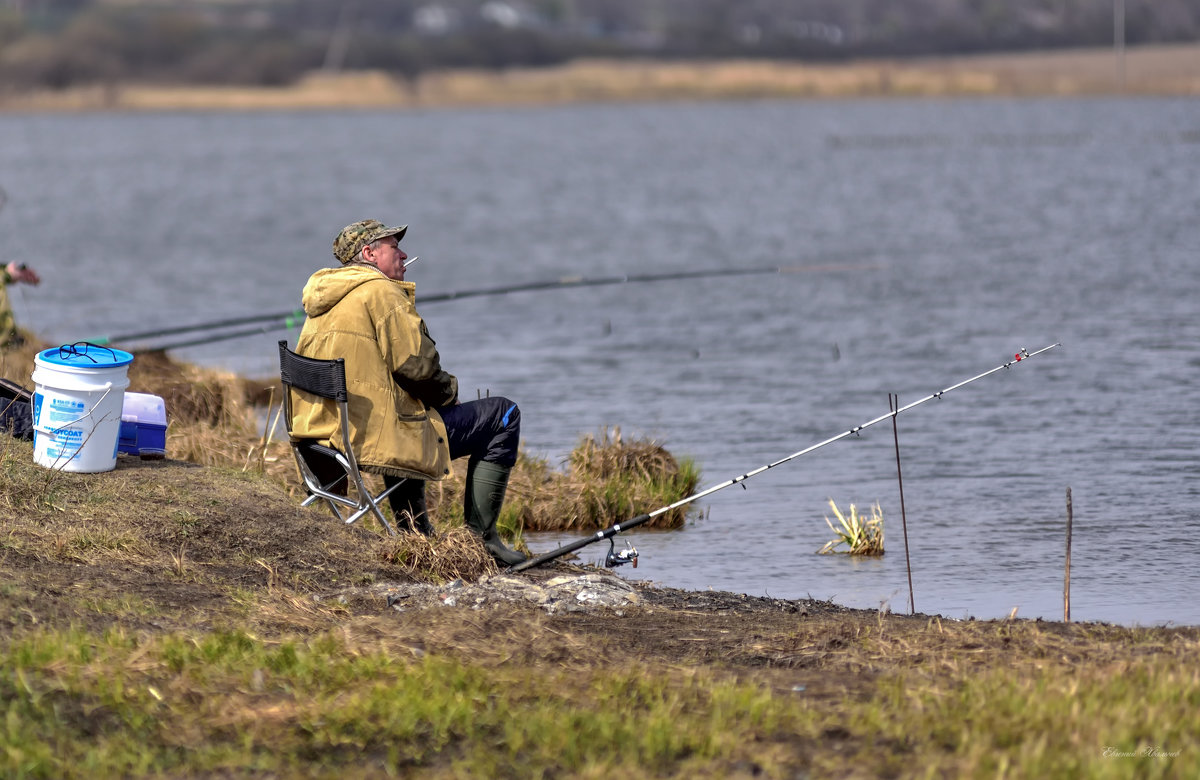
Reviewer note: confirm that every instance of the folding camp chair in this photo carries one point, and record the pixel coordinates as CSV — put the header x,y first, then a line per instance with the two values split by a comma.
x,y
329,474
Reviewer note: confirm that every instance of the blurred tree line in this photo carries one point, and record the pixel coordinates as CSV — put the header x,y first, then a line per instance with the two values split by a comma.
x,y
61,43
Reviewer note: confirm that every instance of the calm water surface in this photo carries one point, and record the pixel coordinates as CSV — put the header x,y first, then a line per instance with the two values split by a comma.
x,y
948,235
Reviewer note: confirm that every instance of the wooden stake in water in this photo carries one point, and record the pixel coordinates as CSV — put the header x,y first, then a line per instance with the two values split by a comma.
x,y
1067,580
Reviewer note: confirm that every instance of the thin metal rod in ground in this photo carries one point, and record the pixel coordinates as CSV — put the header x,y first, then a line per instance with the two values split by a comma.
x,y
894,403
538,560
1067,576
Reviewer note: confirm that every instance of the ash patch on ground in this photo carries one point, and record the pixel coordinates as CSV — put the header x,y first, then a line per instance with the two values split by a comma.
x,y
571,589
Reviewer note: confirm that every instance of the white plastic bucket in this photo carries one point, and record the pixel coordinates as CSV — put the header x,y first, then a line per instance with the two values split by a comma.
x,y
77,400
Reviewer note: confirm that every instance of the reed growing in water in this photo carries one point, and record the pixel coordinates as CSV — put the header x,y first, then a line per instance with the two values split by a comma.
x,y
862,535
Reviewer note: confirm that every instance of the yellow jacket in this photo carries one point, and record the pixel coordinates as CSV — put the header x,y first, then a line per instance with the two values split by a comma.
x,y
393,373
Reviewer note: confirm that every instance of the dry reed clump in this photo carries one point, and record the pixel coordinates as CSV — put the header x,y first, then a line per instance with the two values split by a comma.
x,y
611,456
191,394
208,423
608,480
450,555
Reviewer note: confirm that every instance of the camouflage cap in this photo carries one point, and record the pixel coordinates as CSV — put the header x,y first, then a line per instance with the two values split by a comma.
x,y
353,238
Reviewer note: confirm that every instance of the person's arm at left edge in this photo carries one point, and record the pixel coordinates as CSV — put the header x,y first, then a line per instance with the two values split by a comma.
x,y
19,272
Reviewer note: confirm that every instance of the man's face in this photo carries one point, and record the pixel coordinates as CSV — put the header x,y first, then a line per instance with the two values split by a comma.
x,y
387,256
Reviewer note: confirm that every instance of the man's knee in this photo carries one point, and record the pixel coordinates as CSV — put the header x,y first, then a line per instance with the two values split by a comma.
x,y
487,429
496,414
502,449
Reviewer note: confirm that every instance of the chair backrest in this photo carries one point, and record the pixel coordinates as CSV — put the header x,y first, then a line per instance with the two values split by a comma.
x,y
324,468
326,378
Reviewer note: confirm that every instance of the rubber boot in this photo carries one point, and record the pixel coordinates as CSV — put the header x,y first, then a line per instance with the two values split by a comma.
x,y
408,505
482,498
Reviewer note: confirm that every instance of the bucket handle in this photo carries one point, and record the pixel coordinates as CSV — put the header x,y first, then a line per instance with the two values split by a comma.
x,y
67,351
108,386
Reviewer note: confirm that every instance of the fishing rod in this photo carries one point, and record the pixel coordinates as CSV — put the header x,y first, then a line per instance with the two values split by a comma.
x,y
289,319
280,321
617,558
295,317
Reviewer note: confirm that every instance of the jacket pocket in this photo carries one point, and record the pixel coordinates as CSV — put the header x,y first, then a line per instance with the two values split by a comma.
x,y
408,409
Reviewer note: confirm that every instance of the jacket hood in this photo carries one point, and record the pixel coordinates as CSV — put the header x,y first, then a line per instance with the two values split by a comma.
x,y
328,286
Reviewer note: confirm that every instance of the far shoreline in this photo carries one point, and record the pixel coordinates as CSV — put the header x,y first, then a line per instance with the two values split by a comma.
x,y
1162,70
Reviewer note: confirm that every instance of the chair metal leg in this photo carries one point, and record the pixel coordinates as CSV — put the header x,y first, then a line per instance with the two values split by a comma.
x,y
373,506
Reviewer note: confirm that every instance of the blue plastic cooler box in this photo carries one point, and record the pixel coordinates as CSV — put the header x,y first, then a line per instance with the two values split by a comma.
x,y
143,426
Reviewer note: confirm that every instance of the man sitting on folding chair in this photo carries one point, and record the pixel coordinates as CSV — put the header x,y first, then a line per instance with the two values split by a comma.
x,y
406,421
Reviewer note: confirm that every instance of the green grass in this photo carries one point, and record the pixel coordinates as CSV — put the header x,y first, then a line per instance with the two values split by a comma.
x,y
78,704
165,620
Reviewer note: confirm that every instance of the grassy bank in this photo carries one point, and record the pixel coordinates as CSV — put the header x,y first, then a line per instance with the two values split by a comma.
x,y
169,619
356,701
178,619
1152,70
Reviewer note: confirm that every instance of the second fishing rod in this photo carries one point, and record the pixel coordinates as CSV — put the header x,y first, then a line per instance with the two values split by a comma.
x,y
266,323
616,558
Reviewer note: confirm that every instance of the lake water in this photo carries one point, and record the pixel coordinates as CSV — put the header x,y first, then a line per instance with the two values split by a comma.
x,y
950,235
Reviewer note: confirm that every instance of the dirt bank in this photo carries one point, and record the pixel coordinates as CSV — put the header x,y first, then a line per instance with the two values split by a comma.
x,y
171,619
164,545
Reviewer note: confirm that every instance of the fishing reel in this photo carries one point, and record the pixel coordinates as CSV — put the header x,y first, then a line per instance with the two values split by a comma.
x,y
616,557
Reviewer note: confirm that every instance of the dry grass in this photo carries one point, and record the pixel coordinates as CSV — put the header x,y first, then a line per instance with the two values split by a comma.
x,y
1151,70
1169,70
451,555
214,420
16,362
608,479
